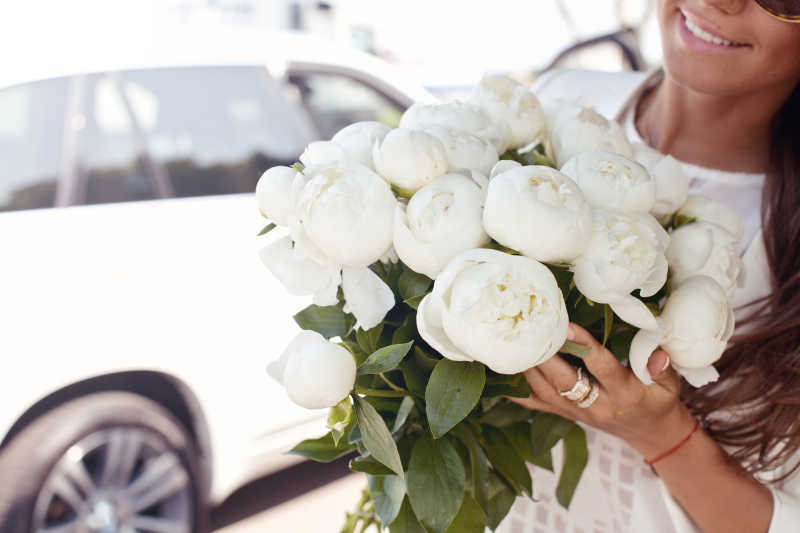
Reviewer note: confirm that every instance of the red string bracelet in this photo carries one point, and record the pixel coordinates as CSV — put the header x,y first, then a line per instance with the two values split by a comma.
x,y
676,447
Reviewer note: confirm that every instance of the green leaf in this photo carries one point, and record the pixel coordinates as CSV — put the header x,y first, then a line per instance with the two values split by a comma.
x,y
576,454
546,430
340,418
470,518
504,414
323,449
573,348
368,340
329,321
519,435
368,465
506,460
415,378
414,301
501,497
453,390
388,493
402,413
406,521
385,359
682,220
376,437
514,385
478,464
620,342
544,460
411,284
425,360
608,322
266,229
406,331
436,482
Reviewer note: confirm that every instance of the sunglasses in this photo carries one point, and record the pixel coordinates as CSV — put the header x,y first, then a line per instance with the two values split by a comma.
x,y
786,10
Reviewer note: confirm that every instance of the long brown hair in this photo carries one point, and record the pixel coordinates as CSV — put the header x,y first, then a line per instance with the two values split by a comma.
x,y
765,362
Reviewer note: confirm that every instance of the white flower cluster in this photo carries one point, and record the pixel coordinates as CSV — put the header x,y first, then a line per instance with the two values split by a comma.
x,y
434,194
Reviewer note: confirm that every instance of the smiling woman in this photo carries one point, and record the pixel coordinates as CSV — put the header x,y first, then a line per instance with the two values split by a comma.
x,y
726,105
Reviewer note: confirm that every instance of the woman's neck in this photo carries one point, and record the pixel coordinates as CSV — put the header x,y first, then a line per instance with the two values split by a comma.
x,y
723,132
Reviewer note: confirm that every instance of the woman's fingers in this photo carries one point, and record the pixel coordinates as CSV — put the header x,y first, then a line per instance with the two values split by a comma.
x,y
603,365
560,374
658,363
546,391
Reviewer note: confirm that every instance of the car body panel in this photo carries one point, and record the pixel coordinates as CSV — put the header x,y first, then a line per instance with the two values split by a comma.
x,y
172,286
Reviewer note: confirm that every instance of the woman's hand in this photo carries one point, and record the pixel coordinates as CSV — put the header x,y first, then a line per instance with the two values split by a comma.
x,y
650,418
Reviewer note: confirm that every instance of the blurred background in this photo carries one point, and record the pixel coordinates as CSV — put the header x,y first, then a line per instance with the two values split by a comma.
x,y
136,317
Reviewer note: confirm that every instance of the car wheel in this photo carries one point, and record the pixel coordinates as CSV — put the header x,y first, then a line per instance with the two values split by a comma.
x,y
110,461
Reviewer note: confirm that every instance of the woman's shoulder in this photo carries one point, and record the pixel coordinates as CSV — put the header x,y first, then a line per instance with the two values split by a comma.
x,y
607,92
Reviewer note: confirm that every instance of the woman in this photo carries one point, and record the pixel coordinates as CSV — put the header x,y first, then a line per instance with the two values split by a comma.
x,y
727,105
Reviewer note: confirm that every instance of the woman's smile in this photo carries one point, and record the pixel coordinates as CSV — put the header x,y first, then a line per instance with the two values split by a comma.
x,y
702,36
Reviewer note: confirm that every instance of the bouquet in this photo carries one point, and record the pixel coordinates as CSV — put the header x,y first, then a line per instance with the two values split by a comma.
x,y
447,256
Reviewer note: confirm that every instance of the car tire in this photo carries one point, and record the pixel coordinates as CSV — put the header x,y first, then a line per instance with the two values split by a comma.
x,y
34,457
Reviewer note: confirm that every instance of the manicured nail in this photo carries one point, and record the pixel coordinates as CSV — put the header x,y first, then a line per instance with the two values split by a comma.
x,y
666,364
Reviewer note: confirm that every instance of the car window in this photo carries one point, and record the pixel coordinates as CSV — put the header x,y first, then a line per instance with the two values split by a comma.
x,y
335,100
214,129
31,139
112,152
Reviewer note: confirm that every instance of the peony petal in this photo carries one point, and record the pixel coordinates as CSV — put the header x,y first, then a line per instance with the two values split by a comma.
x,y
642,347
277,368
697,377
297,272
429,324
367,297
410,250
321,152
633,311
658,277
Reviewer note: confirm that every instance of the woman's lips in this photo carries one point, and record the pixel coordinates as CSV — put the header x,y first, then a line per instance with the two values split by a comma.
x,y
698,35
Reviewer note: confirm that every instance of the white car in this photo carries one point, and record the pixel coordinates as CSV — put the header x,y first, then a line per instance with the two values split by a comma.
x,y
136,320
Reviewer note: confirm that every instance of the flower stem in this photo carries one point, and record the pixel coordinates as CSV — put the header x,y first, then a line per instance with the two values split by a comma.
x,y
381,393
392,385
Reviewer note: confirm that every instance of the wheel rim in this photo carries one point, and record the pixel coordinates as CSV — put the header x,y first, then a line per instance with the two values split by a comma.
x,y
119,480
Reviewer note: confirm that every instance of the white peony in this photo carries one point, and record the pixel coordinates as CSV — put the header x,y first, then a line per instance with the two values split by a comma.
x,y
672,184
300,273
705,249
457,116
704,209
358,139
503,310
502,166
626,253
464,150
409,159
316,373
442,220
345,213
575,129
539,212
694,328
273,194
611,181
508,101
366,296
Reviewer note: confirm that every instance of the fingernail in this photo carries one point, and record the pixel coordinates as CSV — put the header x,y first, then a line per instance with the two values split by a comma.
x,y
666,364
570,333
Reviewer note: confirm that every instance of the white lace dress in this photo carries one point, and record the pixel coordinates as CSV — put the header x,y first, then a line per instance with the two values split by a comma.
x,y
618,493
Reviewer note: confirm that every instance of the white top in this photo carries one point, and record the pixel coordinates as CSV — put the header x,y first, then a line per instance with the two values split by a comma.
x,y
617,492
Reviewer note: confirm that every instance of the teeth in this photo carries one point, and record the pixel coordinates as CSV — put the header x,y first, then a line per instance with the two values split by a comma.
x,y
704,35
